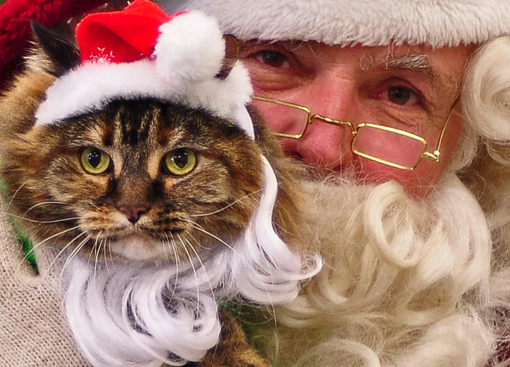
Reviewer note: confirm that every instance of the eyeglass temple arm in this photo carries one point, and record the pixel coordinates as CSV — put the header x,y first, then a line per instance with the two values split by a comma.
x,y
434,156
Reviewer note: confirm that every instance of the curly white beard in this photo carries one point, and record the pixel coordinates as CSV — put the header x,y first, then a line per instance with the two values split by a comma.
x,y
146,315
404,282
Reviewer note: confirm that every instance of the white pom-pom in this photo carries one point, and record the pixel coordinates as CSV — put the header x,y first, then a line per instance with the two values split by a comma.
x,y
190,48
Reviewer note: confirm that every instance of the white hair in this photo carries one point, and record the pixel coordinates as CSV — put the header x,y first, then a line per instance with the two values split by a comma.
x,y
142,315
487,110
487,86
401,284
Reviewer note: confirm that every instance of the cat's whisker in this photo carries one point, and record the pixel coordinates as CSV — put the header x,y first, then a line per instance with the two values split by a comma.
x,y
227,206
91,203
31,252
55,235
43,221
43,203
15,193
192,267
201,229
97,250
18,169
64,249
105,251
198,243
236,253
201,264
72,255
167,247
110,251
173,247
93,252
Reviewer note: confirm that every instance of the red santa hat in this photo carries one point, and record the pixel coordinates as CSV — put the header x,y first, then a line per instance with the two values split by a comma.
x,y
142,52
436,23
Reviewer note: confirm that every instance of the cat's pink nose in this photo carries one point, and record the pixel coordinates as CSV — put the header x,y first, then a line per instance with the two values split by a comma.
x,y
133,212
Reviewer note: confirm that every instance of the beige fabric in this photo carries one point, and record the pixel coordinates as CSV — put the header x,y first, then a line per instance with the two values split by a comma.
x,y
33,330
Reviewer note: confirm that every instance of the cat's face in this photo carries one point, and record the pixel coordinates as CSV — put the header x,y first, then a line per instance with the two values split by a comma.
x,y
139,180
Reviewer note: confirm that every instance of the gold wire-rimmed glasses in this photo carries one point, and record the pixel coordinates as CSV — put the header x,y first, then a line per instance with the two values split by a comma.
x,y
379,143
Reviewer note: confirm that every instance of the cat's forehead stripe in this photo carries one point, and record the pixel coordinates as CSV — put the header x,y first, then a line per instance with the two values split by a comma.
x,y
134,126
108,135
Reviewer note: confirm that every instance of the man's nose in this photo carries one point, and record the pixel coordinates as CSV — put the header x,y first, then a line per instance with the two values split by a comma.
x,y
325,145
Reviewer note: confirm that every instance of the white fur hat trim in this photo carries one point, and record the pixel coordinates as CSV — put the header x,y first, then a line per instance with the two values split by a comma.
x,y
436,23
93,85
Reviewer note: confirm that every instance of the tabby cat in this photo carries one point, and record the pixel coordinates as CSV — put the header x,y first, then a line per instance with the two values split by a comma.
x,y
148,202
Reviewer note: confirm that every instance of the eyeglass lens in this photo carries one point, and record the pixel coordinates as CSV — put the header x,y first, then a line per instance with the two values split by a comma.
x,y
388,146
291,121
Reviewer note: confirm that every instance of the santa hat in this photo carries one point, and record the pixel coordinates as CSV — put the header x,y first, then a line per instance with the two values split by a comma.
x,y
435,23
142,52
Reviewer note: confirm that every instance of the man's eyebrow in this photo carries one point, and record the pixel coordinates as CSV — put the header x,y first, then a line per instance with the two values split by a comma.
x,y
412,62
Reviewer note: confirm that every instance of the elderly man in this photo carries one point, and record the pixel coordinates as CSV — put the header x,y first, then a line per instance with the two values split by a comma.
x,y
368,96
397,112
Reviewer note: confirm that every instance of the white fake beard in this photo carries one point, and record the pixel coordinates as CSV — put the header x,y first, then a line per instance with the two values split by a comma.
x,y
401,282
146,315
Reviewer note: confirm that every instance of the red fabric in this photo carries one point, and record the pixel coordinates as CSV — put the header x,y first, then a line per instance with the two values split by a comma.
x,y
121,36
15,30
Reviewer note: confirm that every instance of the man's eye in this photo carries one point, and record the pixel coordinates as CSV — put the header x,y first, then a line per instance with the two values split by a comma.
x,y
401,95
272,58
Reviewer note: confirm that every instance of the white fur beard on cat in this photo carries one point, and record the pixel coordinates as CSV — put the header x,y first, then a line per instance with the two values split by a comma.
x,y
146,315
404,282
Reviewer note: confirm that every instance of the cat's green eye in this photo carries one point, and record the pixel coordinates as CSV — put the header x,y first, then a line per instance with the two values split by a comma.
x,y
180,162
95,161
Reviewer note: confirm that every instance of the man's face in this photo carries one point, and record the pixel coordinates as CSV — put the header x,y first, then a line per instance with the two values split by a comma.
x,y
411,88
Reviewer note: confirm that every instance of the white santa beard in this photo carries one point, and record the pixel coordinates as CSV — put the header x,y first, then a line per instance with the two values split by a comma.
x,y
401,282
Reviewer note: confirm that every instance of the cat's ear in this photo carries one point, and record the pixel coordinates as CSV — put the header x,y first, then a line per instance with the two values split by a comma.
x,y
58,46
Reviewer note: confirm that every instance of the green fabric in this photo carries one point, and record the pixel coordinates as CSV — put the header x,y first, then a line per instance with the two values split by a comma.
x,y
23,239
27,246
255,321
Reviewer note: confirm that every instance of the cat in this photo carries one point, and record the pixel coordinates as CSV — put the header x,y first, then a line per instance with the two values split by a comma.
x,y
148,200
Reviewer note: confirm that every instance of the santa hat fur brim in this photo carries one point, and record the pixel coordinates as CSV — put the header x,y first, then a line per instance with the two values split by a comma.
x,y
91,86
367,22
